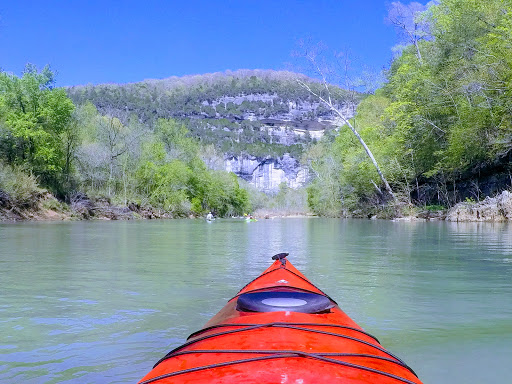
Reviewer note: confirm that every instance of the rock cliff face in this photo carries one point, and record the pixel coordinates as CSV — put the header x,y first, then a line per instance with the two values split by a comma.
x,y
260,120
490,209
266,174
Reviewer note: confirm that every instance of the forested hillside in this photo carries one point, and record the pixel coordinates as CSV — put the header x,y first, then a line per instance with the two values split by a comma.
x,y
440,127
236,111
156,144
75,152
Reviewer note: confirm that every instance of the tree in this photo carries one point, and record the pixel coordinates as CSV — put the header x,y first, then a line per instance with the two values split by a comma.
x,y
108,152
451,110
324,95
175,137
166,183
409,23
36,118
324,193
115,136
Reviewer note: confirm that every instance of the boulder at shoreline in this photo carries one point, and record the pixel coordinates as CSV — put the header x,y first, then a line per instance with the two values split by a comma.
x,y
491,209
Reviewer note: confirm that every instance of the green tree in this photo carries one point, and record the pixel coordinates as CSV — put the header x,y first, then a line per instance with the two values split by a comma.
x,y
165,183
324,193
220,192
35,119
450,110
325,93
175,136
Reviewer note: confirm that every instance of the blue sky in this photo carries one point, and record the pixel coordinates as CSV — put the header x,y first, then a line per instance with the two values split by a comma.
x,y
101,41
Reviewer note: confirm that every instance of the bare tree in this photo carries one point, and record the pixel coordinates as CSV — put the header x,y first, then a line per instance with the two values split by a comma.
x,y
409,23
212,158
118,139
323,69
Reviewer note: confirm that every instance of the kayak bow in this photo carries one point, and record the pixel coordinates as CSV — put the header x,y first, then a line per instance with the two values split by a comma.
x,y
280,328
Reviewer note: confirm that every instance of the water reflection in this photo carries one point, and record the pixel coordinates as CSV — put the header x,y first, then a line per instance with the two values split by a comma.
x,y
102,301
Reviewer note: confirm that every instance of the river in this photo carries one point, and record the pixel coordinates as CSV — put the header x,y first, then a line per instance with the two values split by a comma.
x,y
101,302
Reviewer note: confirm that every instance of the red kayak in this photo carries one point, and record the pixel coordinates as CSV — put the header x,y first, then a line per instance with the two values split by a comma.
x,y
280,328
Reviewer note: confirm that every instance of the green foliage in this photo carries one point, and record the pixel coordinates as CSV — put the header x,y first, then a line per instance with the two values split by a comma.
x,y
215,107
323,204
256,199
196,206
345,175
220,192
20,186
203,96
435,208
163,182
51,203
34,120
44,138
435,119
450,110
288,200
175,179
324,194
174,136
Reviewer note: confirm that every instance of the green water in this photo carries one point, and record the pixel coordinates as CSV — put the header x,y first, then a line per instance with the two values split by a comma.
x,y
101,302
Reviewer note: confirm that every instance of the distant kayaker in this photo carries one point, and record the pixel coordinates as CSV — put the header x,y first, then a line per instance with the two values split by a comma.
x,y
209,216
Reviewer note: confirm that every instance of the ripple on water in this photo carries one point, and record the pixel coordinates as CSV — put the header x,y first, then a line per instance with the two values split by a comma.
x,y
102,302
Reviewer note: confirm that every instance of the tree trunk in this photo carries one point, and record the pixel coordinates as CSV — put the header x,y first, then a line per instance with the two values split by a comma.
x,y
368,152
331,106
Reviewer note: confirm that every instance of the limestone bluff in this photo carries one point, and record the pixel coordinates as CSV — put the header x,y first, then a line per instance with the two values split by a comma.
x,y
258,121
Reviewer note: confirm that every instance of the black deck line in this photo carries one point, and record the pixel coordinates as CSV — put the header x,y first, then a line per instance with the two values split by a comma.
x,y
279,325
275,356
294,324
322,354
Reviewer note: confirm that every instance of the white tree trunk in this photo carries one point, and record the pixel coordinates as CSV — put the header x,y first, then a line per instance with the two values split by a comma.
x,y
332,107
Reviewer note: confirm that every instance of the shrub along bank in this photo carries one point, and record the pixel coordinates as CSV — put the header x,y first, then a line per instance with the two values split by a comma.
x,y
49,145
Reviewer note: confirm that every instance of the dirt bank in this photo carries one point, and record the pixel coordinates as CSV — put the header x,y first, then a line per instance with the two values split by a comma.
x,y
45,207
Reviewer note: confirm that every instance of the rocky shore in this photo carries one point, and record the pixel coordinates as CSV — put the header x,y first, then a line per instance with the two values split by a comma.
x,y
46,207
491,209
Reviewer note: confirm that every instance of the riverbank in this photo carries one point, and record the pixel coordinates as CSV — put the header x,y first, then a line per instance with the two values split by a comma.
x,y
45,207
490,209
48,208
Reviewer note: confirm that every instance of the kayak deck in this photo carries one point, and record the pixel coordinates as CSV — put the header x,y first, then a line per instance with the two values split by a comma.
x,y
280,328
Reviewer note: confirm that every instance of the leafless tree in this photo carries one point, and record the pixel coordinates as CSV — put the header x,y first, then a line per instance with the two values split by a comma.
x,y
324,69
212,158
409,23
118,139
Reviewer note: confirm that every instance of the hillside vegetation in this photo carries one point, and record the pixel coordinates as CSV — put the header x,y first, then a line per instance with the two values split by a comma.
x,y
74,152
154,145
440,127
235,111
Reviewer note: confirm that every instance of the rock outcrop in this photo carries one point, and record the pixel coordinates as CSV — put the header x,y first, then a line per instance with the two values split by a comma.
x,y
491,209
244,114
266,174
